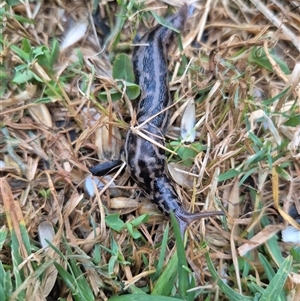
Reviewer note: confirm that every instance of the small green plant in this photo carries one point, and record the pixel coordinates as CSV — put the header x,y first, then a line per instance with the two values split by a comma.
x,y
73,275
114,222
186,152
123,74
176,271
37,62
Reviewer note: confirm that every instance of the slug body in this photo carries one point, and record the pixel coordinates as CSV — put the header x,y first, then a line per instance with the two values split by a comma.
x,y
146,160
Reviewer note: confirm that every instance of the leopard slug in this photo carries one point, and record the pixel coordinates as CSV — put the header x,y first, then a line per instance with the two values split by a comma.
x,y
145,160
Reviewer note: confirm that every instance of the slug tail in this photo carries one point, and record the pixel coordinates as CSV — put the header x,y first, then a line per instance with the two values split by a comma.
x,y
185,218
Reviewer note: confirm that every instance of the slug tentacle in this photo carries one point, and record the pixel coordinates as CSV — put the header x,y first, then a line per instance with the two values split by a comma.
x,y
145,160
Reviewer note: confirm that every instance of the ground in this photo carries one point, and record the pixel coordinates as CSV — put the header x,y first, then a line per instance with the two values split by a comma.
x,y
67,100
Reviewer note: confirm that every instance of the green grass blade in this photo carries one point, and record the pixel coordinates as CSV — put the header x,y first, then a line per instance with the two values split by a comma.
x,y
81,283
5,284
275,287
183,274
31,279
3,235
228,291
165,282
267,267
79,291
162,254
75,280
255,288
272,243
136,291
143,298
20,244
67,278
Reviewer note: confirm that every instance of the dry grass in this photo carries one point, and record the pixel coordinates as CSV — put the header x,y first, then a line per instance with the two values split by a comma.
x,y
244,76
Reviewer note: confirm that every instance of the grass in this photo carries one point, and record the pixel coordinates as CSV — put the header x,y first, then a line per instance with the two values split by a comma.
x,y
58,243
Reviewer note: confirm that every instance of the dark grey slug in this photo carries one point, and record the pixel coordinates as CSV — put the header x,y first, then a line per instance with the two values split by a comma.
x,y
145,160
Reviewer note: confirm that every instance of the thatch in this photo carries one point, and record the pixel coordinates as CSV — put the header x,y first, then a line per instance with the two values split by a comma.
x,y
240,64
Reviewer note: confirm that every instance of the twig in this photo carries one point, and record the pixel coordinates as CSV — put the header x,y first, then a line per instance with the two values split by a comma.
x,y
278,23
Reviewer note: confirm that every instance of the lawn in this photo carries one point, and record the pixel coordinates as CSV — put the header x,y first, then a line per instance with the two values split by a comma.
x,y
68,96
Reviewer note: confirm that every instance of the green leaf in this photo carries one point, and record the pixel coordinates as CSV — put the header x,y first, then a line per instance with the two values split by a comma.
x,y
268,102
21,53
275,286
3,235
67,277
122,68
26,46
114,94
246,175
39,51
5,284
133,232
163,249
295,252
97,254
283,174
270,273
258,56
143,297
293,121
183,272
267,267
56,250
54,52
16,261
132,91
257,157
254,287
115,35
135,290
164,22
272,243
25,76
244,263
231,294
18,17
25,237
111,264
229,174
187,154
74,277
36,77
114,222
165,283
255,139
4,74
43,100
139,220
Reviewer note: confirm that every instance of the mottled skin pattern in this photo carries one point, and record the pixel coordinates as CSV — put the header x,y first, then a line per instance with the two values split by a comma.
x,y
145,160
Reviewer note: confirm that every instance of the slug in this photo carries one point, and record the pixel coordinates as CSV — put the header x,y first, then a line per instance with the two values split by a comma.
x,y
146,161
